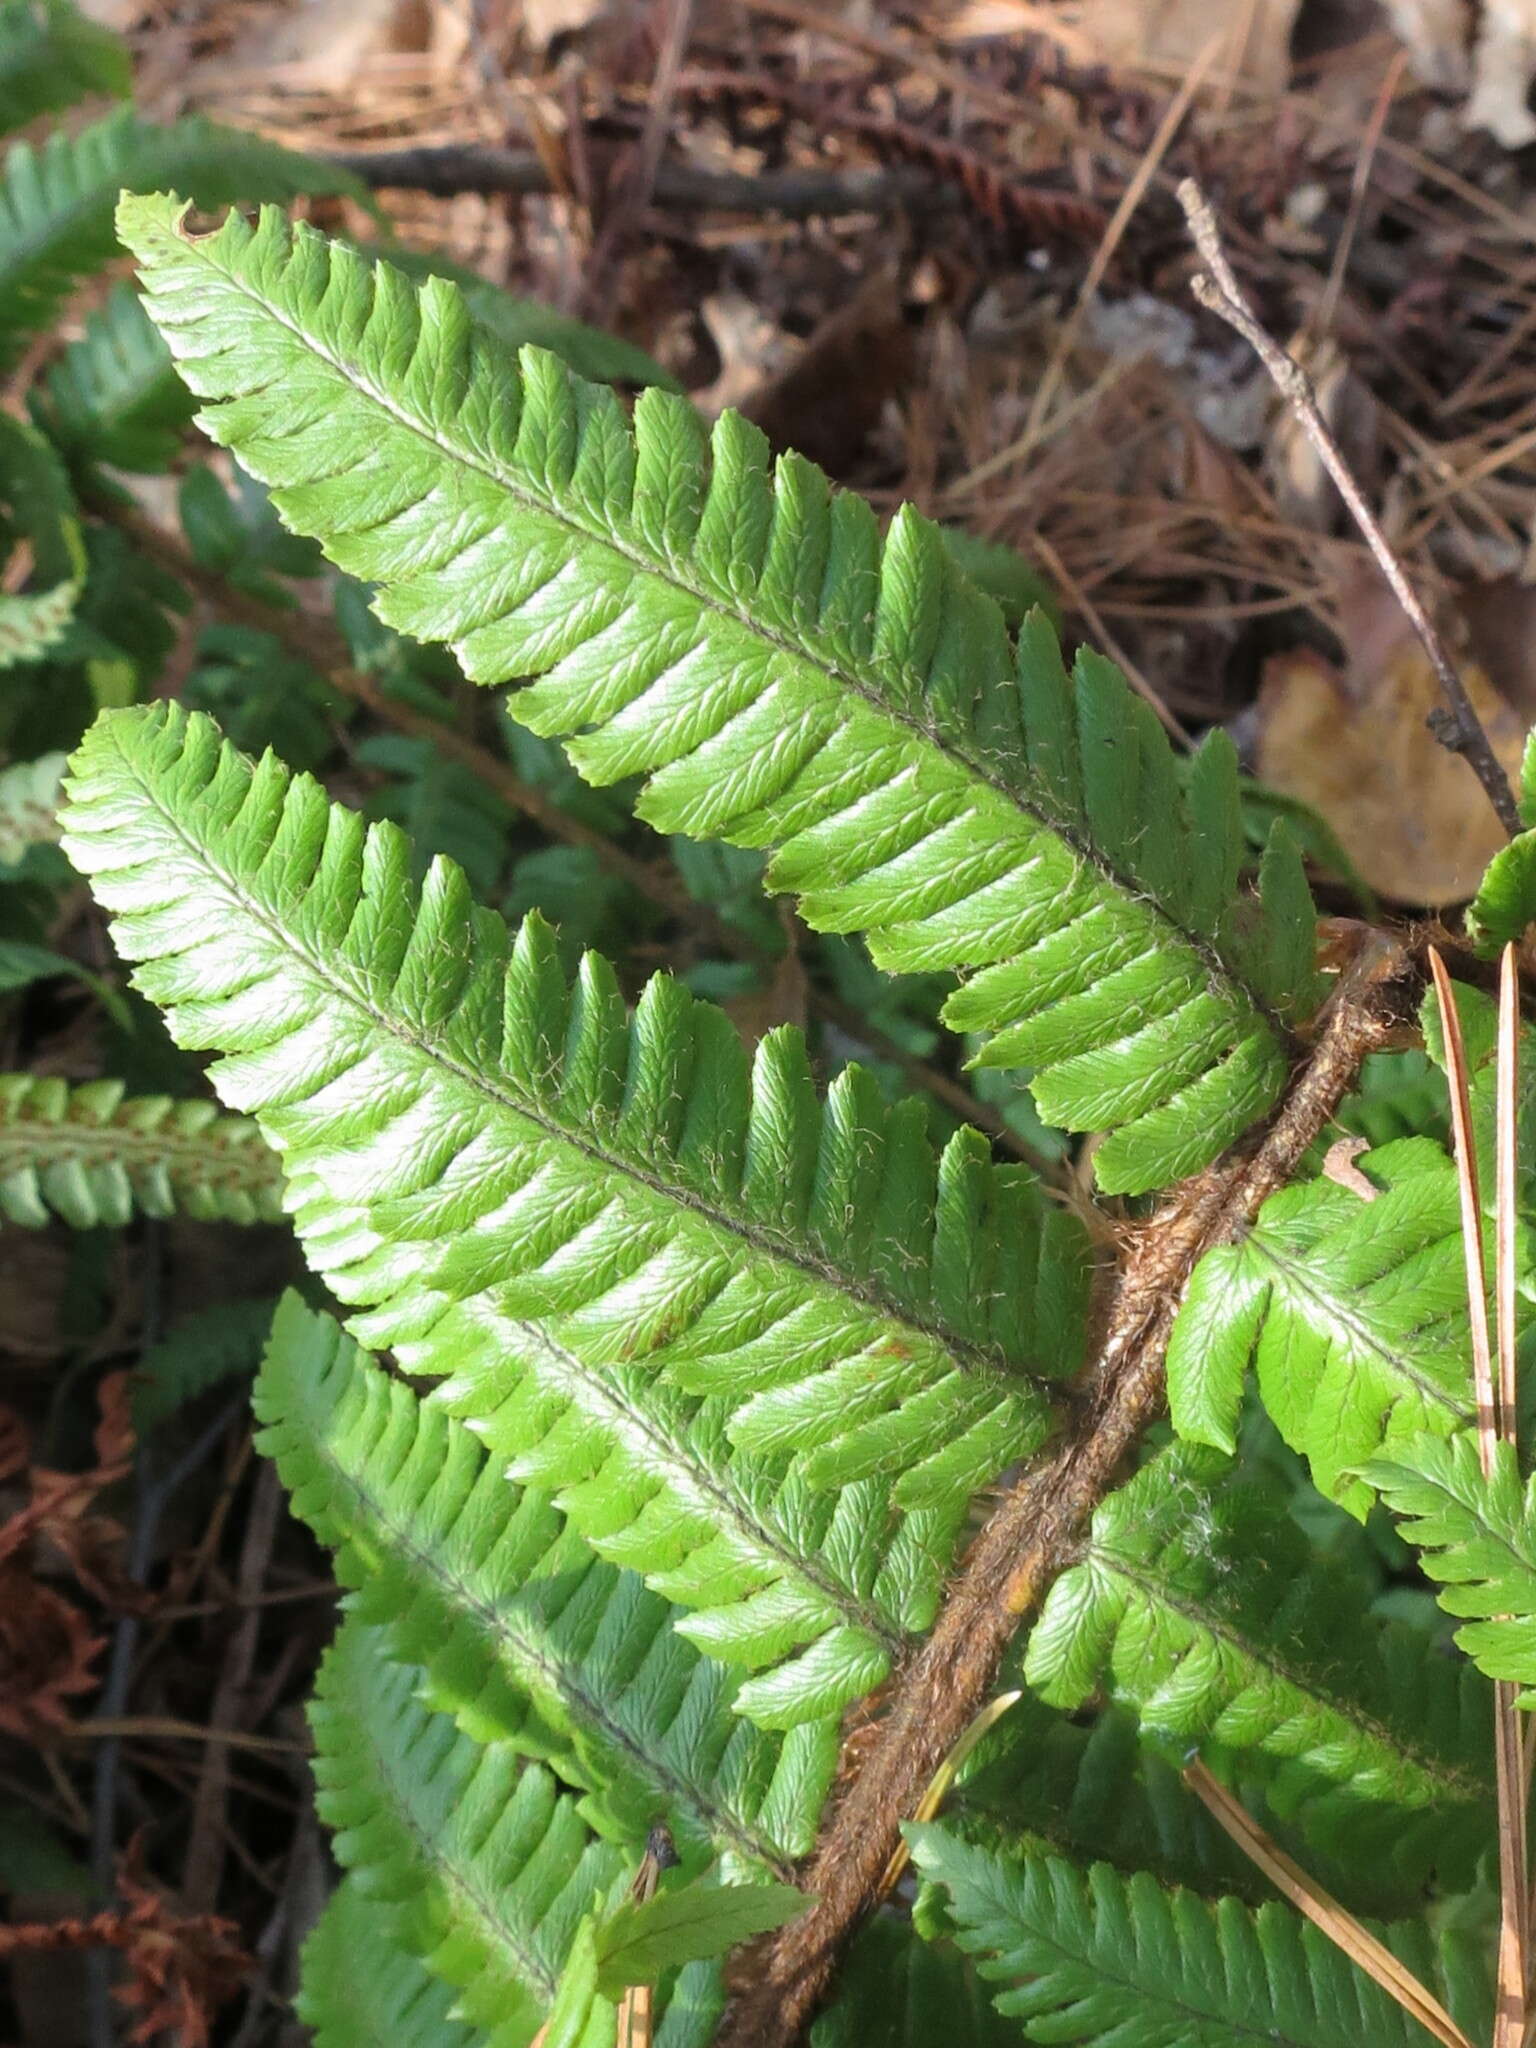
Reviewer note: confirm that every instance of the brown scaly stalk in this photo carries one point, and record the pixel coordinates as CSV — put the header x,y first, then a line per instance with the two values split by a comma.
x,y
1033,1533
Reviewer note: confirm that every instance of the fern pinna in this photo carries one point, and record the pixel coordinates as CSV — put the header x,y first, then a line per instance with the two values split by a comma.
x,y
782,676
696,1382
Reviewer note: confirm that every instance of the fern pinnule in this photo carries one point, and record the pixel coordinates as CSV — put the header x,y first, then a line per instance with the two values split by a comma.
x,y
1198,1602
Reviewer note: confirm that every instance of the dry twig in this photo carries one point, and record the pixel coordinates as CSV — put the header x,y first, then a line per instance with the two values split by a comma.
x,y
1036,1527
1217,289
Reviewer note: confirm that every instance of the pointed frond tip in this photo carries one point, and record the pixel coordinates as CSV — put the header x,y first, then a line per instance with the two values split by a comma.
x,y
764,1348
783,677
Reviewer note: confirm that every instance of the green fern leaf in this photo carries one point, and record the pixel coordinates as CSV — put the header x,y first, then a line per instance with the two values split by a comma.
x,y
197,1353
1353,1313
85,1154
56,202
29,803
525,1637
40,534
362,1987
491,1866
1478,1537
516,323
1105,1790
782,677
1093,1957
898,1991
1204,1607
734,1329
114,395
51,56
1505,904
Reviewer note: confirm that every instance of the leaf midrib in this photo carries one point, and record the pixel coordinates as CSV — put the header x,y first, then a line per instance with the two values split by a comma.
x,y
1442,1777
458,1876
1097,1955
1042,817
766,1243
560,1671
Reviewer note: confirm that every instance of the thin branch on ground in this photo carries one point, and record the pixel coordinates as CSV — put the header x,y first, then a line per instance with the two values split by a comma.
x,y
1034,1532
445,170
1459,729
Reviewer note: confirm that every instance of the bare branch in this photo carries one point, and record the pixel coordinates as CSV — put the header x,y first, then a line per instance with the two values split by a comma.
x,y
450,168
1459,729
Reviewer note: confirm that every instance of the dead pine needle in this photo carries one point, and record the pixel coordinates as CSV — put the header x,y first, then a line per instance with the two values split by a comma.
x,y
938,1785
1495,1419
1322,1909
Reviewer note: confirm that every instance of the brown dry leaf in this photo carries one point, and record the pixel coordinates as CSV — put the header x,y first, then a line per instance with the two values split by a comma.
x,y
181,1967
1412,817
1170,34
830,398
47,1655
1503,65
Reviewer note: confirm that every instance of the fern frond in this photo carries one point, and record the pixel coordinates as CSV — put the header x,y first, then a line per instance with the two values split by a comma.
x,y
197,1353
782,677
898,1991
56,201
114,395
51,56
525,1637
1094,1957
765,1349
41,545
516,323
1478,1539
361,1987
84,1153
1101,1790
1203,1606
490,1864
29,803
1353,1313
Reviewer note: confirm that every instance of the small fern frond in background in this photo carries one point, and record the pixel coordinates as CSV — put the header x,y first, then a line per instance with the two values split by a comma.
x,y
1478,1541
29,805
783,677
362,1987
40,538
114,396
1097,1958
763,1348
1202,1605
56,201
1353,1313
50,56
525,1637
85,1153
